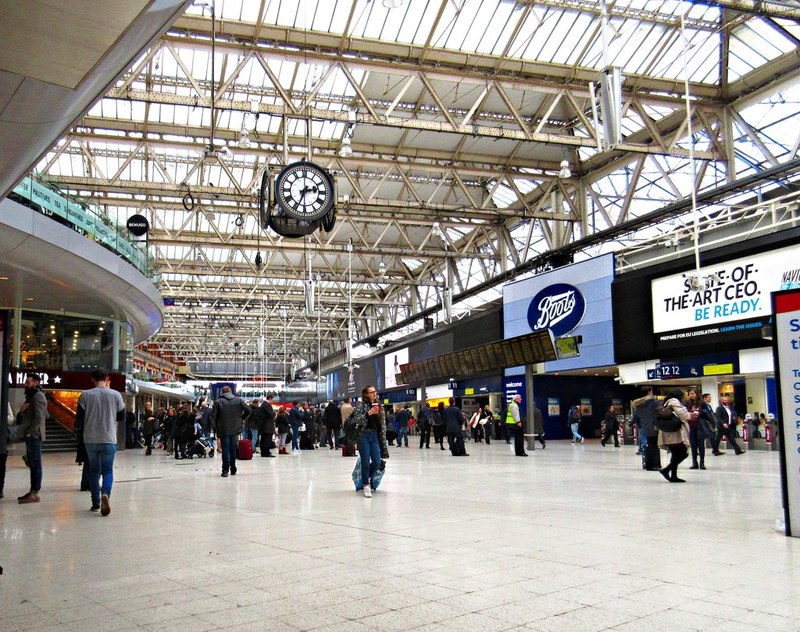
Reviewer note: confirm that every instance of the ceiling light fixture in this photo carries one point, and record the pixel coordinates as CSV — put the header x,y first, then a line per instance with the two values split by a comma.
x,y
346,149
565,170
244,140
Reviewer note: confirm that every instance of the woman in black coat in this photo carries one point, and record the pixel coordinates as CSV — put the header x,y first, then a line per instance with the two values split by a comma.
x,y
283,428
333,423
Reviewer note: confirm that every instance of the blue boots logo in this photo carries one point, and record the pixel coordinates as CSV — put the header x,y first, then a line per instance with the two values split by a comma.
x,y
558,307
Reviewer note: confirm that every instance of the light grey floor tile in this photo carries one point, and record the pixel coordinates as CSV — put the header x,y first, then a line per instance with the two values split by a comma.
x,y
581,539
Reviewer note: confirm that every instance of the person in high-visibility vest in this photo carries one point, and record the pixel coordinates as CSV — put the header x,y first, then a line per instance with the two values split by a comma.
x,y
515,425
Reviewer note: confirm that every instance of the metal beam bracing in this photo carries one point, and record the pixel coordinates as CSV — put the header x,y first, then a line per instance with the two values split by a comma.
x,y
453,183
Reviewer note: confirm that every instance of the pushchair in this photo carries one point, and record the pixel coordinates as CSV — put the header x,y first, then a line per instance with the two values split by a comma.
x,y
203,446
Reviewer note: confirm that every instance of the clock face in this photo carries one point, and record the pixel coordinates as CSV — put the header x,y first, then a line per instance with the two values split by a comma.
x,y
304,191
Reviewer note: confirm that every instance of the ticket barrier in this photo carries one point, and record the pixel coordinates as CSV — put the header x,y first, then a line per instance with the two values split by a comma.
x,y
756,442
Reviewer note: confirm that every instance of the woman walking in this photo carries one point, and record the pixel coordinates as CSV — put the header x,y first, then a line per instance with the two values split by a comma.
x,y
676,443
370,435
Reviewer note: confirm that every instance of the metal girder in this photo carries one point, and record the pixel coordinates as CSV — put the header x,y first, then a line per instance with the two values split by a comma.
x,y
767,8
530,104
422,124
403,58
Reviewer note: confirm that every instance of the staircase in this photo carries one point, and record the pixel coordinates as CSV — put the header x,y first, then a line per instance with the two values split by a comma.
x,y
59,438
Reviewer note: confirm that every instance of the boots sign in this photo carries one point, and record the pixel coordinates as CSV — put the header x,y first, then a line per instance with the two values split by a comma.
x,y
558,307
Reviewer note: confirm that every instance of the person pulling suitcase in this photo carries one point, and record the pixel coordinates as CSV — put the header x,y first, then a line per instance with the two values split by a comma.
x,y
644,415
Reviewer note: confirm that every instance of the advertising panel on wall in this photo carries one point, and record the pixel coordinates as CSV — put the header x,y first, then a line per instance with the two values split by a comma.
x,y
571,301
786,348
720,302
392,362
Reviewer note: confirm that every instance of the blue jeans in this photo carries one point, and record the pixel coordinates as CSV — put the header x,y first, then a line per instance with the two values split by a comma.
x,y
227,446
369,449
34,448
575,435
402,435
254,434
101,462
295,436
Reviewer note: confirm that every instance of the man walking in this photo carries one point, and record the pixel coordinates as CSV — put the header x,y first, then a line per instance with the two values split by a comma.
x,y
227,416
453,421
99,410
267,426
726,418
425,421
516,426
574,421
644,416
401,419
32,415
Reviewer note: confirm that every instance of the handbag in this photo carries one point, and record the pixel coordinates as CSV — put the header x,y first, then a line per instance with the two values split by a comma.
x,y
14,434
666,420
302,427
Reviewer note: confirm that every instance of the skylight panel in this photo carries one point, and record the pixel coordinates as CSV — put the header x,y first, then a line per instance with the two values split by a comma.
x,y
464,23
754,44
248,11
496,30
168,67
502,196
561,38
580,38
97,110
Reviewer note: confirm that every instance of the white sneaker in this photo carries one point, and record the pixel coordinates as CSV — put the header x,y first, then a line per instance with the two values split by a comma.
x,y
367,492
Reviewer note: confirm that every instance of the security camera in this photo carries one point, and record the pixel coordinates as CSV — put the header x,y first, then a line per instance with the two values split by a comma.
x,y
618,379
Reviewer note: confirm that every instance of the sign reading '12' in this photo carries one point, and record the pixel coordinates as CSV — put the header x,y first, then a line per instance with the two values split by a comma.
x,y
558,307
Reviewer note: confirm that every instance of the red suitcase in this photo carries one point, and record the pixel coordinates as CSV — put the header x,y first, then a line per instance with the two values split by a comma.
x,y
245,449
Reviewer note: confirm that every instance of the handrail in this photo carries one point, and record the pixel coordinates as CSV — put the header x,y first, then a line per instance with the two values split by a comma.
x,y
82,218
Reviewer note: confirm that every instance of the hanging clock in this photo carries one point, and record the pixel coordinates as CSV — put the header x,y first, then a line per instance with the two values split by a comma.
x,y
304,191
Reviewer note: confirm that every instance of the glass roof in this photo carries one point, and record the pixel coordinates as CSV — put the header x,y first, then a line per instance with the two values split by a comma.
x,y
460,114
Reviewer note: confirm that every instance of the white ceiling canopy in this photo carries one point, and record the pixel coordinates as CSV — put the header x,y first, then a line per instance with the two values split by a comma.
x,y
459,117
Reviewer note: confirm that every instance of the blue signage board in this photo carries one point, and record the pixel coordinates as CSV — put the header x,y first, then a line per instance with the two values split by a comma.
x,y
515,386
574,300
398,397
558,307
477,387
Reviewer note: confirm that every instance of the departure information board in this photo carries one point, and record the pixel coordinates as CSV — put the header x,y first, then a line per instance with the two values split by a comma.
x,y
528,349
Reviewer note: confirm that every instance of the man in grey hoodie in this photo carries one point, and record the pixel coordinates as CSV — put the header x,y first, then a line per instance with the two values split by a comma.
x,y
227,416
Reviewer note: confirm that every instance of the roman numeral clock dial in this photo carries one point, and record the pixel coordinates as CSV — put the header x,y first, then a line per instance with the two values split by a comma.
x,y
304,191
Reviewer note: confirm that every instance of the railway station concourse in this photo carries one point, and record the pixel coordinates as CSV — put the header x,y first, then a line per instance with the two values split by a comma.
x,y
288,191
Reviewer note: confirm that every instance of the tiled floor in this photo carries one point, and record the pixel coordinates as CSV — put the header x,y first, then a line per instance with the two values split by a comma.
x,y
574,538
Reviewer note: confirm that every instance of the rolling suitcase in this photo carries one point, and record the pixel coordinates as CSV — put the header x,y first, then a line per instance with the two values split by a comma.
x,y
651,455
244,450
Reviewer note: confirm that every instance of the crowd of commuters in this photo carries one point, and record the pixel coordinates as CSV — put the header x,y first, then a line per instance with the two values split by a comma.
x,y
188,431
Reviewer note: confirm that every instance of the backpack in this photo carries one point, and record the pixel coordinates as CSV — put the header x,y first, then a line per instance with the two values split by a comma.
x,y
666,420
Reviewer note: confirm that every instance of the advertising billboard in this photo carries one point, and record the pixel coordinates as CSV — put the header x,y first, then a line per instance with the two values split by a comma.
x,y
392,363
720,299
572,301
